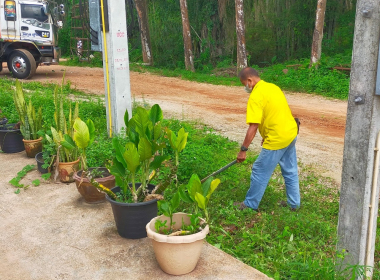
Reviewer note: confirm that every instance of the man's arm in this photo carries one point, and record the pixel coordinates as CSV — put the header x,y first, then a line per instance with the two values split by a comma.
x,y
251,132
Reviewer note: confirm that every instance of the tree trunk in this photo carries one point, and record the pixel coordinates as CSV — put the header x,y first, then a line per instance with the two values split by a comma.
x,y
316,48
189,60
141,8
240,34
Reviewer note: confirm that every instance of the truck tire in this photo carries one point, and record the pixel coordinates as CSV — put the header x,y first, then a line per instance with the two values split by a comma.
x,y
21,64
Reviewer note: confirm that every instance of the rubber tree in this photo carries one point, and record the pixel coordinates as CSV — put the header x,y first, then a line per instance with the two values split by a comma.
x,y
189,58
142,12
316,47
240,35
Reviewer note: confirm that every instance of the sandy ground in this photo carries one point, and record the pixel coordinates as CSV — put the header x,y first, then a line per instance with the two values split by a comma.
x,y
49,232
321,138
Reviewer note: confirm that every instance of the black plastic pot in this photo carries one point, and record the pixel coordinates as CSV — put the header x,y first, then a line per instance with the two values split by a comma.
x,y
132,218
40,162
11,139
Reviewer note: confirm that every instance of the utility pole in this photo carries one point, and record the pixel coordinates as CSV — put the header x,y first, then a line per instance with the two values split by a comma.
x,y
357,212
115,64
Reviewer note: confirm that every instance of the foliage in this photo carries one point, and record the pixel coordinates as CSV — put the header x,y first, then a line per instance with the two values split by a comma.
x,y
21,174
140,153
198,193
324,81
84,135
30,121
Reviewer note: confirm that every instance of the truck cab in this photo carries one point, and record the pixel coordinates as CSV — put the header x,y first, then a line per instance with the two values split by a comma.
x,y
28,35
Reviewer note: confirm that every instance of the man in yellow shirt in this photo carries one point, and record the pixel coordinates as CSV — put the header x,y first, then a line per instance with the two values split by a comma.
x,y
269,112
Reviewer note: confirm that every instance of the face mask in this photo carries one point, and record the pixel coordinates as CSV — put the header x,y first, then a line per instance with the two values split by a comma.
x,y
247,89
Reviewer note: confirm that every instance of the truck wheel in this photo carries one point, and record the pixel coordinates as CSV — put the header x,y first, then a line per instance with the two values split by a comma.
x,y
21,64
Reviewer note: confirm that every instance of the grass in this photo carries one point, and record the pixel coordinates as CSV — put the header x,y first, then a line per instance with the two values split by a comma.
x,y
278,242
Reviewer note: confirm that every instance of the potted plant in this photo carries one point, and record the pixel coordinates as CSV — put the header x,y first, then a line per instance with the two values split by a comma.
x,y
10,136
177,238
30,122
84,135
134,200
66,158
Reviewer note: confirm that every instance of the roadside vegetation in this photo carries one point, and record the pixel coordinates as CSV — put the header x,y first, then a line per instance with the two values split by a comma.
x,y
294,75
281,243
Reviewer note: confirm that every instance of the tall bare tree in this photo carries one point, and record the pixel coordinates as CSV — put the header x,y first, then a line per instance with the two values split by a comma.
x,y
188,47
316,48
240,34
142,12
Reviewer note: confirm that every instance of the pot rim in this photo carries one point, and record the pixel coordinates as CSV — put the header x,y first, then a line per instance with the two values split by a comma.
x,y
134,204
68,163
76,173
175,239
39,153
31,141
9,130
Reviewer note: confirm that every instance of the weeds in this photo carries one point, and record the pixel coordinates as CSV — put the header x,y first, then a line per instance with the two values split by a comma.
x,y
21,174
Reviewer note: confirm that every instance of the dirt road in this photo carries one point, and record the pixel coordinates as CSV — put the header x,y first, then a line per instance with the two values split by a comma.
x,y
320,142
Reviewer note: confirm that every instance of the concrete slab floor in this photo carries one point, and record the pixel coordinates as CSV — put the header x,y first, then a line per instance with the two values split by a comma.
x,y
49,232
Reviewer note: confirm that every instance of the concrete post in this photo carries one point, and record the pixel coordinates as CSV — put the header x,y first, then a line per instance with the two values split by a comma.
x,y
118,59
362,126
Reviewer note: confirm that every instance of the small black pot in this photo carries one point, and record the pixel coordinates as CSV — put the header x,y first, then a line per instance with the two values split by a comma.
x,y
11,139
40,162
132,218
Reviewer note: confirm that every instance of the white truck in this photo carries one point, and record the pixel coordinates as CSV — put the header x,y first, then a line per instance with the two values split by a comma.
x,y
29,35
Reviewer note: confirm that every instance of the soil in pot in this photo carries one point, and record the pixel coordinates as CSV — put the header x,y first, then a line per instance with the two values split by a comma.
x,y
90,193
33,147
176,255
66,171
131,218
11,139
40,162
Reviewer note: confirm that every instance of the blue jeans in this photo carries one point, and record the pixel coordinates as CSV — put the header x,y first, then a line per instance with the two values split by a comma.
x,y
262,170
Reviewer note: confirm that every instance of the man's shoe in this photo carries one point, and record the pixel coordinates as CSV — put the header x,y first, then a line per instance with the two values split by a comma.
x,y
285,204
242,206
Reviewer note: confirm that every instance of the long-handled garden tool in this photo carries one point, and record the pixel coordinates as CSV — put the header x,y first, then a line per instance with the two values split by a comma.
x,y
220,170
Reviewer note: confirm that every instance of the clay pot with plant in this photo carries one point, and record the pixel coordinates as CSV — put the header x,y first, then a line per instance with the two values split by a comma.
x,y
134,200
84,135
65,158
30,122
10,136
178,238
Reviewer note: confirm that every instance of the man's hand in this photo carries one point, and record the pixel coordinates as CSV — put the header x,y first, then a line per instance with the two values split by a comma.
x,y
241,156
262,141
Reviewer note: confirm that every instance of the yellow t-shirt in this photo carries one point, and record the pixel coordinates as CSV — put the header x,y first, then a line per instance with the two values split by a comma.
x,y
267,106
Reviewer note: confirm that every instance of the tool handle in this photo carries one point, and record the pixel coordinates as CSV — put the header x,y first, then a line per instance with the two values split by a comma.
x,y
220,170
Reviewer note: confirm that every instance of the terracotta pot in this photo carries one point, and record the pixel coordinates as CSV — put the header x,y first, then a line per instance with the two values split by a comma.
x,y
90,193
33,147
66,171
176,255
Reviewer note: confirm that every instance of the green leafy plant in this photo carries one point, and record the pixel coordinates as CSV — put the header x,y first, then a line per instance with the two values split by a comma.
x,y
198,193
168,208
21,174
64,128
84,135
141,154
30,121
195,193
